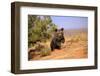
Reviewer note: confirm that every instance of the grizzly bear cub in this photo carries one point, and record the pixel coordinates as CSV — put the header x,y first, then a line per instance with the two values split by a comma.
x,y
57,39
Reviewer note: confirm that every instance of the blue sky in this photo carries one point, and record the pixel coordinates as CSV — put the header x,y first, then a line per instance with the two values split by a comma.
x,y
70,22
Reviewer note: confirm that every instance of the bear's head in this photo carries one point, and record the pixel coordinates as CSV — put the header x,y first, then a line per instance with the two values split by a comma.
x,y
59,33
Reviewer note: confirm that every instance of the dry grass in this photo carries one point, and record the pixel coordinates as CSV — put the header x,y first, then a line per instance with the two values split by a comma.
x,y
75,47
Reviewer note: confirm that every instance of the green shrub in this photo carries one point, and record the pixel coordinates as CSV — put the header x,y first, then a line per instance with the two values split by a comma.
x,y
39,28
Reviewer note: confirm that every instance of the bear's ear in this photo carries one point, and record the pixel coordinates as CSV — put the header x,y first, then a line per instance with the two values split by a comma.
x,y
62,29
56,30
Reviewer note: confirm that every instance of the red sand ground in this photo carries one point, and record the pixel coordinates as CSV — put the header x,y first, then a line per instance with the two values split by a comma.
x,y
74,50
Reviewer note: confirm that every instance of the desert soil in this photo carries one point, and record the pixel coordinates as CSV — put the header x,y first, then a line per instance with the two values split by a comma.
x,y
76,50
70,50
